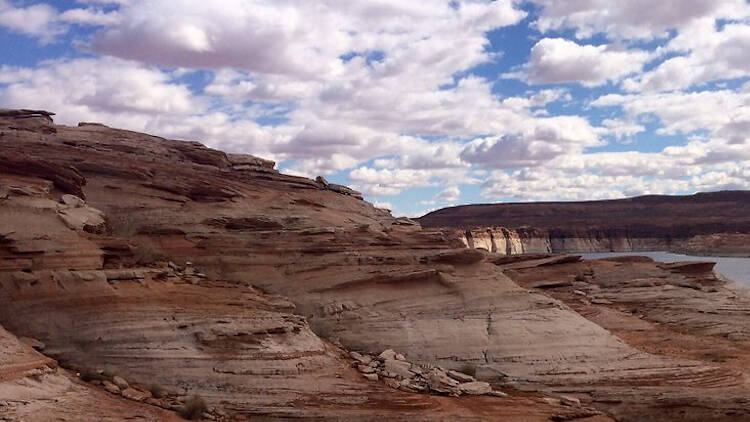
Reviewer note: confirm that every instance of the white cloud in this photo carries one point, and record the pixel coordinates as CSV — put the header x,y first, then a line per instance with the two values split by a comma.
x,y
557,60
542,140
633,19
89,17
722,112
389,182
383,90
383,205
38,20
450,195
620,128
300,38
712,54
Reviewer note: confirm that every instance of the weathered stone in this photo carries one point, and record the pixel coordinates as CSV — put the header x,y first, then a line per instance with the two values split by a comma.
x,y
72,200
397,367
570,401
112,388
440,382
387,355
131,393
371,377
460,376
364,359
120,382
475,388
365,369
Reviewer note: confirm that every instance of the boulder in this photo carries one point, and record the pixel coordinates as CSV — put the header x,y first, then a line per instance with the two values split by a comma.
x,y
475,388
439,382
398,367
365,369
131,393
387,355
570,401
120,382
72,200
246,161
371,377
111,387
83,219
460,376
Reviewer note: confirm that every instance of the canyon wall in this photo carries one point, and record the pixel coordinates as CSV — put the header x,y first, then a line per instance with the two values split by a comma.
x,y
702,224
168,262
508,241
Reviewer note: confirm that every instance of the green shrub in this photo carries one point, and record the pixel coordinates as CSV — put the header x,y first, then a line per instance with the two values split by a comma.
x,y
469,369
146,255
157,391
88,375
193,408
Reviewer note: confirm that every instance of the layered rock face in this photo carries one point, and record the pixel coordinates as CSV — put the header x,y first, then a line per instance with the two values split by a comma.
x,y
505,241
90,216
679,311
270,273
705,223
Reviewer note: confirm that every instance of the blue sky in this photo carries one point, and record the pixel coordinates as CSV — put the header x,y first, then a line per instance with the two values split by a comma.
x,y
419,105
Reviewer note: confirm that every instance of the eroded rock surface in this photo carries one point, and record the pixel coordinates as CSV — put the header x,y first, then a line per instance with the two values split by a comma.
x,y
703,224
229,280
218,276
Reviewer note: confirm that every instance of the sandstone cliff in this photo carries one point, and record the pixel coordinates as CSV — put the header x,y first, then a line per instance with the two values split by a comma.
x,y
167,262
704,223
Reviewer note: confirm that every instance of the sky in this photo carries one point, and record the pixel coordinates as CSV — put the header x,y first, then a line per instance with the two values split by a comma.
x,y
418,104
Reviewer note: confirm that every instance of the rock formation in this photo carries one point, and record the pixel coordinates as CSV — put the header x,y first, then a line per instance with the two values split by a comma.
x,y
704,223
218,276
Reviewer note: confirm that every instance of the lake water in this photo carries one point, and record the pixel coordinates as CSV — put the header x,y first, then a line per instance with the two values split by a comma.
x,y
737,269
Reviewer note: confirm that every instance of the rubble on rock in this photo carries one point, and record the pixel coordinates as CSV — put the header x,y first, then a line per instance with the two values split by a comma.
x,y
413,377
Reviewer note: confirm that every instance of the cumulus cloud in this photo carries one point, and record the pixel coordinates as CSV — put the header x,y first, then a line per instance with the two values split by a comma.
x,y
294,37
712,54
721,111
89,17
633,19
543,140
557,60
449,195
387,94
46,23
38,20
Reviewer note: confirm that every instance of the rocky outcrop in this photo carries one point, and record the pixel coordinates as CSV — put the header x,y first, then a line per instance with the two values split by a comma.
x,y
505,241
248,287
400,374
704,223
680,310
186,286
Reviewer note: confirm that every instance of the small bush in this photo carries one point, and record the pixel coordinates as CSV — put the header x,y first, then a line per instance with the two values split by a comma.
x,y
469,369
193,408
89,375
157,391
108,373
146,255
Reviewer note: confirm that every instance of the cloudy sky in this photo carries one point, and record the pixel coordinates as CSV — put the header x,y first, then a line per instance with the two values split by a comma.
x,y
418,104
